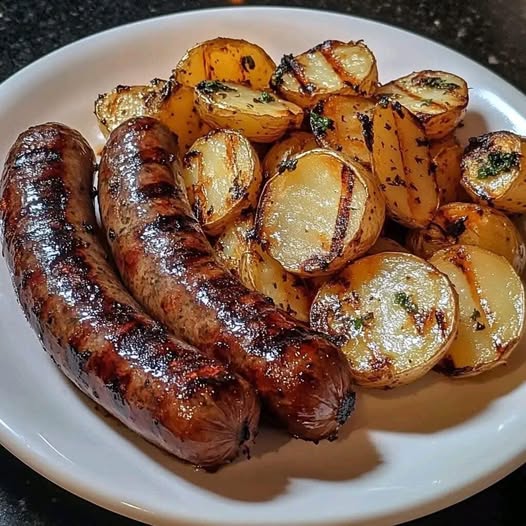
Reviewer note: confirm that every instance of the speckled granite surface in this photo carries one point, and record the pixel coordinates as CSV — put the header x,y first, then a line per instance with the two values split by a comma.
x,y
493,32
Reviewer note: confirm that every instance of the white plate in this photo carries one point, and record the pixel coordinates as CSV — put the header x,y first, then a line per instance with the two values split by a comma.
x,y
404,454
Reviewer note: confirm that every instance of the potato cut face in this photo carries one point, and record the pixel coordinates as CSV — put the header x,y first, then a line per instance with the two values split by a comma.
x,y
259,115
494,170
491,299
293,143
222,177
393,314
319,214
226,59
386,244
331,67
234,241
470,224
438,99
260,272
402,164
343,123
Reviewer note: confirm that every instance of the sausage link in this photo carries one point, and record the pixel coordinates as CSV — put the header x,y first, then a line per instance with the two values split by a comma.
x,y
170,267
158,386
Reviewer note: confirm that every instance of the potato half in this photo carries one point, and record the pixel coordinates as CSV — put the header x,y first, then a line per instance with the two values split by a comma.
x,y
491,298
226,59
343,123
386,244
259,115
402,164
393,314
234,241
347,68
260,272
470,224
293,143
320,213
494,170
437,99
222,175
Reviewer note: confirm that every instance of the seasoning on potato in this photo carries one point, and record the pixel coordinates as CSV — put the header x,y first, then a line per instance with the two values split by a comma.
x,y
234,241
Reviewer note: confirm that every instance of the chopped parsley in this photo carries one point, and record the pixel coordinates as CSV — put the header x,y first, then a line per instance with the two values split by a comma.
x,y
405,301
288,164
435,82
247,62
212,86
359,323
320,124
284,67
497,163
265,97
426,102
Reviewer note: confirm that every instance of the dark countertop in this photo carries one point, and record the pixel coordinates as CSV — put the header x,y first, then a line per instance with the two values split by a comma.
x,y
493,32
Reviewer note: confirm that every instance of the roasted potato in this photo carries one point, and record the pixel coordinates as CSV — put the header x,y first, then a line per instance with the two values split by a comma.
x,y
347,68
260,272
437,99
259,115
226,60
386,244
393,314
293,143
318,214
343,123
491,298
470,224
234,241
494,170
168,101
222,175
402,164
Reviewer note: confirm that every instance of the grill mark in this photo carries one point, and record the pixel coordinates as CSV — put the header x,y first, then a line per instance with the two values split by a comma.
x,y
417,98
176,223
44,155
158,190
327,50
298,73
155,155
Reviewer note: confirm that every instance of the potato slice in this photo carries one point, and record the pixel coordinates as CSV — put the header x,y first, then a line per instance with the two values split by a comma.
x,y
437,99
470,224
293,143
222,175
260,272
343,123
226,60
402,163
491,297
234,241
319,214
393,314
259,115
347,68
494,170
386,244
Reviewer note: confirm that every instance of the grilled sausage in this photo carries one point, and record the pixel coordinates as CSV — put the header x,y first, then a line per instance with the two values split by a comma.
x,y
163,389
170,267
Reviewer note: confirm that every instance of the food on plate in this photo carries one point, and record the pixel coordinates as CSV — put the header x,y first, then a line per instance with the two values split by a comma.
x,y
491,299
259,115
438,99
332,67
222,175
470,224
226,60
234,240
319,213
169,265
88,323
386,244
494,170
393,314
402,164
168,101
291,144
342,123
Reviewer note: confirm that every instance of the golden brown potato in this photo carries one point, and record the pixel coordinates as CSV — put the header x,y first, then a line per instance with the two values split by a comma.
x,y
402,164
259,115
347,68
320,213
393,314
343,123
494,170
470,224
437,99
226,60
491,299
222,175
386,244
293,143
233,242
